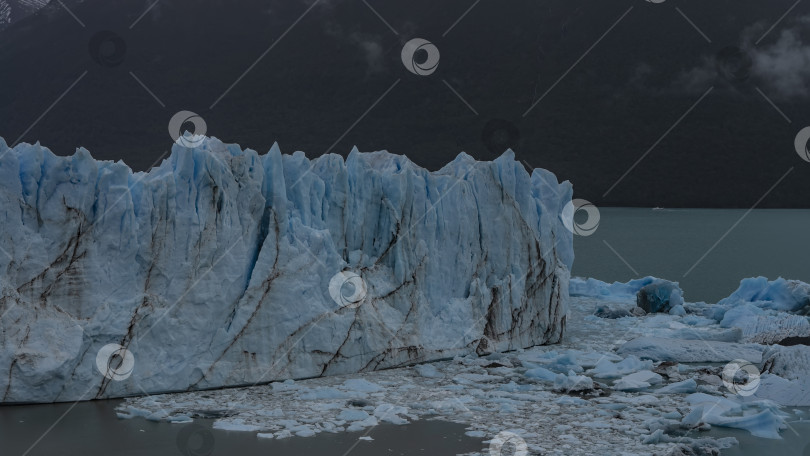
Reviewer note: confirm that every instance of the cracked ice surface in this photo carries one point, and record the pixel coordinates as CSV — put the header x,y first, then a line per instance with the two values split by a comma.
x,y
213,269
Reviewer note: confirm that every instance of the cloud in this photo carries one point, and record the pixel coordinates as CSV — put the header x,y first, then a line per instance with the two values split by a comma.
x,y
372,50
784,66
781,68
697,79
369,45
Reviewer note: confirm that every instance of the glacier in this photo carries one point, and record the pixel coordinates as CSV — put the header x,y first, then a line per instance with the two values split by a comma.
x,y
225,267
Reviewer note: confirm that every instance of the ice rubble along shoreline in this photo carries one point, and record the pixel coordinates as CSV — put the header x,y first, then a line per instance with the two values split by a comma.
x,y
619,383
764,322
213,269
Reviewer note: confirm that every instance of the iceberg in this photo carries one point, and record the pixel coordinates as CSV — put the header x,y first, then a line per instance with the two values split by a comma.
x,y
224,267
607,369
661,296
649,293
785,375
767,312
616,291
761,418
780,294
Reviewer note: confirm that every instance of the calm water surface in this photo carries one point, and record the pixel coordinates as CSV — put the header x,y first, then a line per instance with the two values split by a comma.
x,y
795,442
92,429
631,243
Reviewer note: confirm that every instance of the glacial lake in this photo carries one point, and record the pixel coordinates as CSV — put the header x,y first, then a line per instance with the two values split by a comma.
x,y
669,243
663,243
795,440
92,429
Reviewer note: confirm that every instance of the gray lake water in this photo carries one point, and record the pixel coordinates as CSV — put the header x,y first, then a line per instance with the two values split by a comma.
x,y
92,429
795,441
670,243
629,243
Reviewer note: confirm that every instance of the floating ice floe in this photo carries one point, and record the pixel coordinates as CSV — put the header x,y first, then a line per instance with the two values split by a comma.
x,y
616,291
637,381
786,376
690,351
684,387
607,369
761,419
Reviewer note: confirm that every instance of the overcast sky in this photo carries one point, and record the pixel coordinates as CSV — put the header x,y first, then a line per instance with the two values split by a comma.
x,y
678,103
